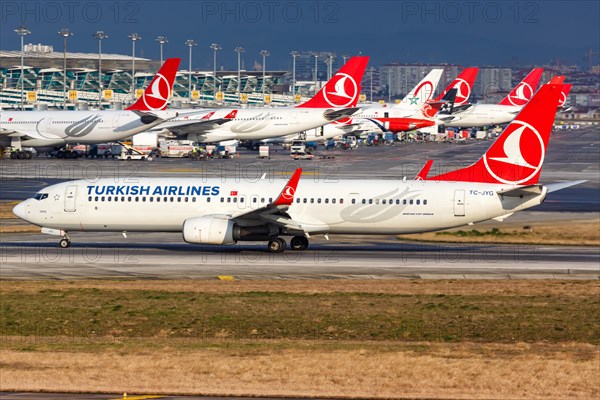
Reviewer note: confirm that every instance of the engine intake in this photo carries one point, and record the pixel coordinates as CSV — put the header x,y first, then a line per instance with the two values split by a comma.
x,y
220,230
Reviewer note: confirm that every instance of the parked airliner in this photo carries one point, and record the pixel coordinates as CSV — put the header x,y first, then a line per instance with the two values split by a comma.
x,y
47,129
336,100
478,115
217,211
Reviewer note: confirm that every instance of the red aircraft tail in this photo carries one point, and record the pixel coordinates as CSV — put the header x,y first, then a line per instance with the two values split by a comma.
x,y
524,91
517,156
157,94
463,84
343,89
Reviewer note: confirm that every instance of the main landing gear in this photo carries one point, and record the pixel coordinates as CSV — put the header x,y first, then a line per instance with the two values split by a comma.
x,y
278,245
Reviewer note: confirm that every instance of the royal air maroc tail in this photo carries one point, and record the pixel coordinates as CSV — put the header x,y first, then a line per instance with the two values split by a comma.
x,y
226,211
158,93
524,91
423,92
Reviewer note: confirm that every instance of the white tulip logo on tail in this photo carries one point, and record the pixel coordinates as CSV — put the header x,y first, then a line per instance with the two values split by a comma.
x,y
344,93
463,91
157,95
506,161
522,95
288,193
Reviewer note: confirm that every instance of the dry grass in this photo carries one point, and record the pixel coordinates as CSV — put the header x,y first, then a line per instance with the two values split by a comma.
x,y
400,371
463,287
579,233
6,209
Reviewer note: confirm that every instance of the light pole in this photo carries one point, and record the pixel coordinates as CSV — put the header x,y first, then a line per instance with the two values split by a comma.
x,y
65,33
134,38
316,55
371,95
330,57
239,51
215,47
100,35
294,54
161,40
190,43
264,54
22,31
345,57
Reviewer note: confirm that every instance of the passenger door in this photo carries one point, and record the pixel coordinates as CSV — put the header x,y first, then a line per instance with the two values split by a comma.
x,y
459,203
70,198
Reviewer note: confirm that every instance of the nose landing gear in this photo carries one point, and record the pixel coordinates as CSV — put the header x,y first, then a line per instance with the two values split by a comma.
x,y
65,242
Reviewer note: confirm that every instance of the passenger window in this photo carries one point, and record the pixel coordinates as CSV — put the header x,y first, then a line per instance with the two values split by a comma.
x,y
370,201
242,199
90,198
208,200
109,198
364,201
397,201
383,201
144,199
312,200
171,199
186,199
193,199
179,199
425,202
262,199
102,199
304,200
229,199
326,201
151,199
235,199
297,200
158,199
222,200
270,199
333,201
254,199
137,199
411,202
418,202
404,201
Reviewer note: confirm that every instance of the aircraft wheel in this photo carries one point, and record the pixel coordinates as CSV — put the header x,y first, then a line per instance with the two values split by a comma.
x,y
299,243
276,245
64,243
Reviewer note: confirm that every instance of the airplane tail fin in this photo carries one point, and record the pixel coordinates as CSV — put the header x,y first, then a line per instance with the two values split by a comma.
x,y
517,156
423,92
463,84
343,89
564,94
524,91
157,94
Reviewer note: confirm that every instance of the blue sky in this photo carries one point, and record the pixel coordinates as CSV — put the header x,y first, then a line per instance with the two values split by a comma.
x,y
470,32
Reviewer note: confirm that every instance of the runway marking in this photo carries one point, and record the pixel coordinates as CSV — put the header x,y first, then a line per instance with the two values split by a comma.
x,y
226,278
125,396
181,170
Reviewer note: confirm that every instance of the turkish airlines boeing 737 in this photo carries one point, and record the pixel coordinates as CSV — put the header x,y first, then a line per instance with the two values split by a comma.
x,y
47,129
336,100
213,211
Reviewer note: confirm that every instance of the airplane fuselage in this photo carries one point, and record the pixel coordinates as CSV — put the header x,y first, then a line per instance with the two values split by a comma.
x,y
250,123
55,128
343,207
479,115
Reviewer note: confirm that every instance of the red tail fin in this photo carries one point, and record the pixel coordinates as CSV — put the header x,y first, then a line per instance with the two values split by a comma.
x,y
157,94
343,89
463,84
524,91
516,157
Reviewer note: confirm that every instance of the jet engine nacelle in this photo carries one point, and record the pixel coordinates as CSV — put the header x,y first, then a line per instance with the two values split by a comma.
x,y
209,230
399,125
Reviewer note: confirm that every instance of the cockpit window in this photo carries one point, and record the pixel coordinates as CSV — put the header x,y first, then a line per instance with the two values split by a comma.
x,y
40,196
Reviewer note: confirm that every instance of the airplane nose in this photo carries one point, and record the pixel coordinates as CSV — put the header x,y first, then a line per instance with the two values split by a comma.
x,y
20,210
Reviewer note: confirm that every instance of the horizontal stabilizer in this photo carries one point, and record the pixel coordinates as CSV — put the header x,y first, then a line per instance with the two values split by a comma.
x,y
531,190
553,187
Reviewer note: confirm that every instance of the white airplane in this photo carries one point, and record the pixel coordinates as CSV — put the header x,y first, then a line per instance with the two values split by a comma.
x,y
217,211
478,115
48,129
336,100
417,110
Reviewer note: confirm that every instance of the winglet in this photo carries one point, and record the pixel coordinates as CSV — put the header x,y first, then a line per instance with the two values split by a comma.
x,y
157,94
422,175
286,197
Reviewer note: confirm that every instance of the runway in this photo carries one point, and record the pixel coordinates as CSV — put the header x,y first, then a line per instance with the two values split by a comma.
x,y
165,256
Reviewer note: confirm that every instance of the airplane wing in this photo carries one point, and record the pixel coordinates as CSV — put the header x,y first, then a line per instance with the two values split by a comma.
x,y
532,190
276,212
